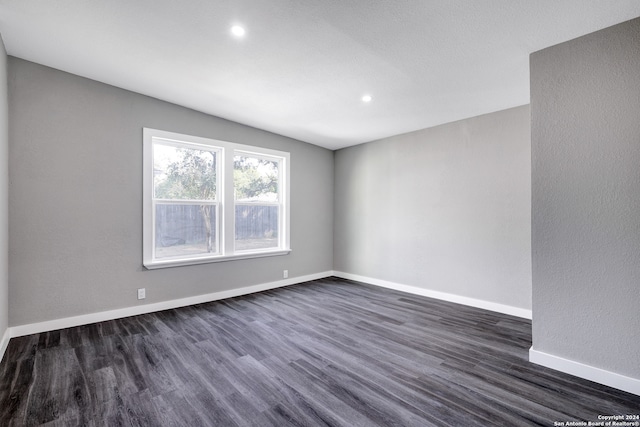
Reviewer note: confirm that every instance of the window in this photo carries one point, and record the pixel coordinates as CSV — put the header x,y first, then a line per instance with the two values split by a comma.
x,y
256,180
208,200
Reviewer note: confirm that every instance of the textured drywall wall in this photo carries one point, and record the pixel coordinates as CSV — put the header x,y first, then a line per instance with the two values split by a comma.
x,y
585,109
445,209
4,194
76,199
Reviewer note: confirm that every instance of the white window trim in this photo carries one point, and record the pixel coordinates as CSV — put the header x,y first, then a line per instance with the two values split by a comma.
x,y
225,202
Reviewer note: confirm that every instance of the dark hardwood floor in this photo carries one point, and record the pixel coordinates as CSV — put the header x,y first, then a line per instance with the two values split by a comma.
x,y
328,352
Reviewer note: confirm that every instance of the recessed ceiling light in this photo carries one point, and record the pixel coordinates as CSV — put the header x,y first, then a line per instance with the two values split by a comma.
x,y
237,31
366,98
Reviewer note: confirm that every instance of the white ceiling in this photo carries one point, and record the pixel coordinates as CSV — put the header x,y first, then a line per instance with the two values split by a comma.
x,y
304,65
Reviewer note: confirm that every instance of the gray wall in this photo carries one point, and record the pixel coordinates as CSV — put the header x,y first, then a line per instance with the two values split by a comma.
x,y
4,193
445,209
585,109
75,200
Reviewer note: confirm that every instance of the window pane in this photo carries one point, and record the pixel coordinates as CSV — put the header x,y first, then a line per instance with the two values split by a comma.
x,y
255,179
184,230
184,173
256,227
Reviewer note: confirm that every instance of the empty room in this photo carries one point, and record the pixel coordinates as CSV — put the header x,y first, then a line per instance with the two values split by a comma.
x,y
319,213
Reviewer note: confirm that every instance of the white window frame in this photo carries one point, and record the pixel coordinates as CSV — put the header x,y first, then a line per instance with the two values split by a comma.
x,y
225,202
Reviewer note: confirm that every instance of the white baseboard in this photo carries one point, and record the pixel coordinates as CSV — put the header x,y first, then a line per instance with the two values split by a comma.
x,y
68,322
591,373
4,342
487,305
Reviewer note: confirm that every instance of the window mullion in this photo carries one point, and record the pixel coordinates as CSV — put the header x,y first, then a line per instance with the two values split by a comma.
x,y
228,205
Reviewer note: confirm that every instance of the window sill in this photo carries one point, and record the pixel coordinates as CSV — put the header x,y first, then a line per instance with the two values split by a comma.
x,y
153,265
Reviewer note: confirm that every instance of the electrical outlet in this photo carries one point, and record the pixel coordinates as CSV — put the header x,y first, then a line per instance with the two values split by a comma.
x,y
142,294
285,274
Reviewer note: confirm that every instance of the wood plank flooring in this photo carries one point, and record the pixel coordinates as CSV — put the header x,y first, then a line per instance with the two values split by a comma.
x,y
330,352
